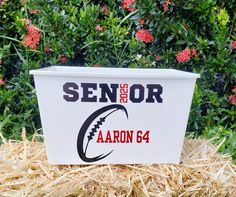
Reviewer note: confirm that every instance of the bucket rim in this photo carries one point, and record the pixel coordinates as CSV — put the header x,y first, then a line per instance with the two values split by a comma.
x,y
113,72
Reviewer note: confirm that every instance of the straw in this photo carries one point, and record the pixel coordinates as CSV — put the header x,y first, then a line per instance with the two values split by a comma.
x,y
24,171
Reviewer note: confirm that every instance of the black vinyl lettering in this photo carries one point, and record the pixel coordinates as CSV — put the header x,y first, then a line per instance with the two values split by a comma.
x,y
154,90
107,91
87,92
71,94
139,98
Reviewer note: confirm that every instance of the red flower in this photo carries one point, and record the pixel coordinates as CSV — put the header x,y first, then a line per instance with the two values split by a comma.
x,y
105,10
25,22
232,99
98,28
63,59
2,82
158,57
234,44
183,56
127,5
194,53
46,49
30,42
234,88
187,26
165,5
1,2
144,35
1,62
141,21
32,29
32,38
31,11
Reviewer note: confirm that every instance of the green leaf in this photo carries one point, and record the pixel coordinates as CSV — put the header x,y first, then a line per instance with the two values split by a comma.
x,y
129,15
9,38
169,38
21,57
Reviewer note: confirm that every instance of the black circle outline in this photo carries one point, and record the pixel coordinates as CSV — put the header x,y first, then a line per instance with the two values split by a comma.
x,y
85,126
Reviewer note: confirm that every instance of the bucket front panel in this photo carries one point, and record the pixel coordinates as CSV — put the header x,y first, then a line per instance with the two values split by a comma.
x,y
135,120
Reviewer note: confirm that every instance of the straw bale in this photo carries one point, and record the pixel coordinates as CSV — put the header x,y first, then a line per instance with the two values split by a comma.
x,y
24,171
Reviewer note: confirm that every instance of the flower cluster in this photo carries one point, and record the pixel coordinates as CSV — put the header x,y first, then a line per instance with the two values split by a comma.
x,y
25,22
232,97
105,10
33,35
127,4
194,53
185,55
2,2
165,5
158,57
234,44
46,49
2,82
144,36
63,59
141,21
31,11
99,28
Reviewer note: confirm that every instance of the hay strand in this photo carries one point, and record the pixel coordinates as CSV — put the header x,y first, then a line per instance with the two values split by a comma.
x,y
24,171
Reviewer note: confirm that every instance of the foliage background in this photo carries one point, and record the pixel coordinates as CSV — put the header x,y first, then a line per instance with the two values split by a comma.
x,y
69,36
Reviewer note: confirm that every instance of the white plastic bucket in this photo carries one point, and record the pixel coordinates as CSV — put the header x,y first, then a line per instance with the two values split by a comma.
x,y
113,115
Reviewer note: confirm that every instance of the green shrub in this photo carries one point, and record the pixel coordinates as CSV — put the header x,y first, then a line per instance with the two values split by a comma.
x,y
226,137
18,107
